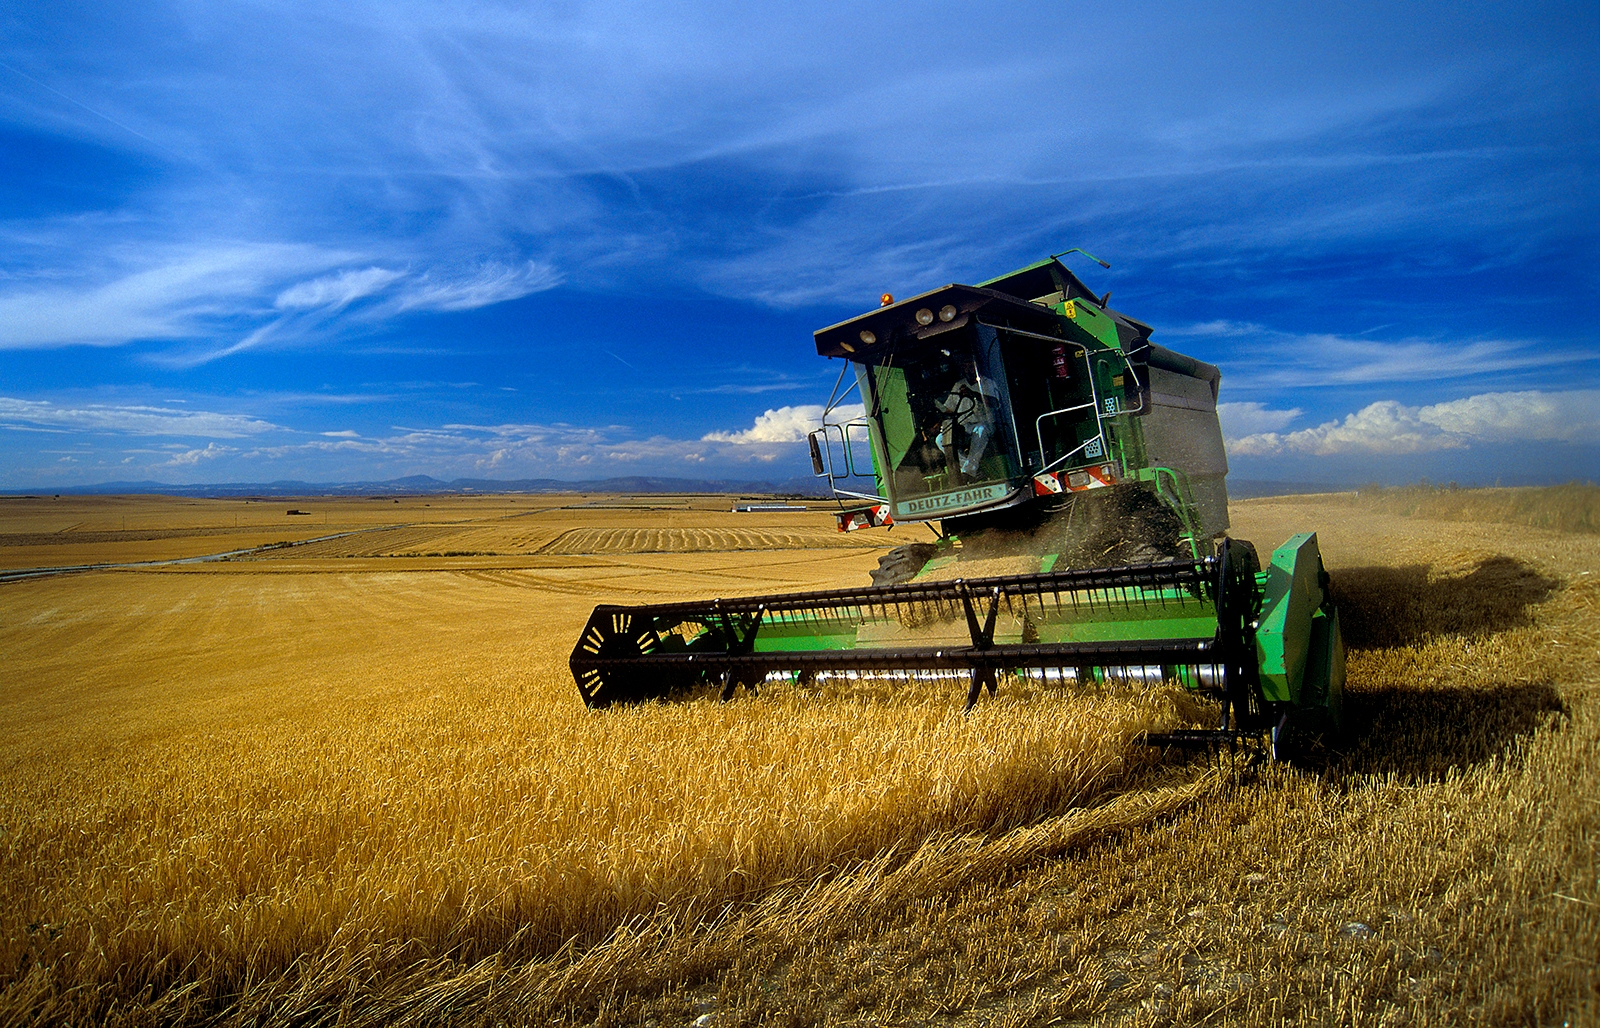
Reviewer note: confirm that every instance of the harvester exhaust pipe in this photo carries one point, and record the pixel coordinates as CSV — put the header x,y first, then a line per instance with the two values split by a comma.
x,y
1086,253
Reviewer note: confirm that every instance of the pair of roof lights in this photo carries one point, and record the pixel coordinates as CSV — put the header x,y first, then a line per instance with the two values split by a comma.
x,y
924,317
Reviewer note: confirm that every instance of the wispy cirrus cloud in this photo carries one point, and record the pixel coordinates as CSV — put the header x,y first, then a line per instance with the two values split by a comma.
x,y
439,289
337,291
1256,358
1322,360
128,420
489,283
606,135
301,313
176,295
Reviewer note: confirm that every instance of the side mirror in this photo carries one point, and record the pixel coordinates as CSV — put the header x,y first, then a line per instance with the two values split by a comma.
x,y
817,467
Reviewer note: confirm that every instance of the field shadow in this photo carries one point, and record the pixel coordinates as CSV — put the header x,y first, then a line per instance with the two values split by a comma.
x,y
1421,734
1382,607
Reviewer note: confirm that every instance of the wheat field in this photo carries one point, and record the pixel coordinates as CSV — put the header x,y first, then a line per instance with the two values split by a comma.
x,y
351,782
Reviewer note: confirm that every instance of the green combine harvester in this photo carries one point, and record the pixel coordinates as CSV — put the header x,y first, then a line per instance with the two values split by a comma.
x,y
1033,428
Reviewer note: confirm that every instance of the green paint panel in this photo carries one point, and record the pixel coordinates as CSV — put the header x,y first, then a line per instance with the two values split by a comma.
x,y
1126,629
779,636
1291,593
804,643
1322,689
1137,614
1097,326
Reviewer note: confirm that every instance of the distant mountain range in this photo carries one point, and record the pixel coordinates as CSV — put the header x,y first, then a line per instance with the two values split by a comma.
x,y
415,485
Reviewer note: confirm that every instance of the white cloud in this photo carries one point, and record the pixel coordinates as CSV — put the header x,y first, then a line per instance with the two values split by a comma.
x,y
785,424
336,291
1249,418
522,450
1390,427
128,420
490,283
191,458
1382,427
1507,417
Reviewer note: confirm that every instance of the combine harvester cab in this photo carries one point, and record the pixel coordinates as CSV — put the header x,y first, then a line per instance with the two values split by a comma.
x,y
1013,411
987,405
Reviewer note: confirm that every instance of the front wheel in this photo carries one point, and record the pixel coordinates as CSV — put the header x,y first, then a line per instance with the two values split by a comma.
x,y
901,564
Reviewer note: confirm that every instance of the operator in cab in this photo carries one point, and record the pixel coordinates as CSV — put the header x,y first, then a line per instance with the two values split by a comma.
x,y
970,426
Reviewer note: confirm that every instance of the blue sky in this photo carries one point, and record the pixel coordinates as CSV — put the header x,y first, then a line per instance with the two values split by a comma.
x,y
248,242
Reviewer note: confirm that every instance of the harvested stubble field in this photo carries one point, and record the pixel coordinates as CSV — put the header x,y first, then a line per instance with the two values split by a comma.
x,y
351,782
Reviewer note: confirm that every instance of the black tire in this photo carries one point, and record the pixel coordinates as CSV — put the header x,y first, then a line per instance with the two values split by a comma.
x,y
1281,739
902,563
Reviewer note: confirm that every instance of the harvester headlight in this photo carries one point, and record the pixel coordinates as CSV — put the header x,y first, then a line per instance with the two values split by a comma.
x,y
868,337
924,316
947,312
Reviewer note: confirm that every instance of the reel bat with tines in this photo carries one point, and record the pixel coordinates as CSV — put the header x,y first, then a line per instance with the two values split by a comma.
x,y
615,668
